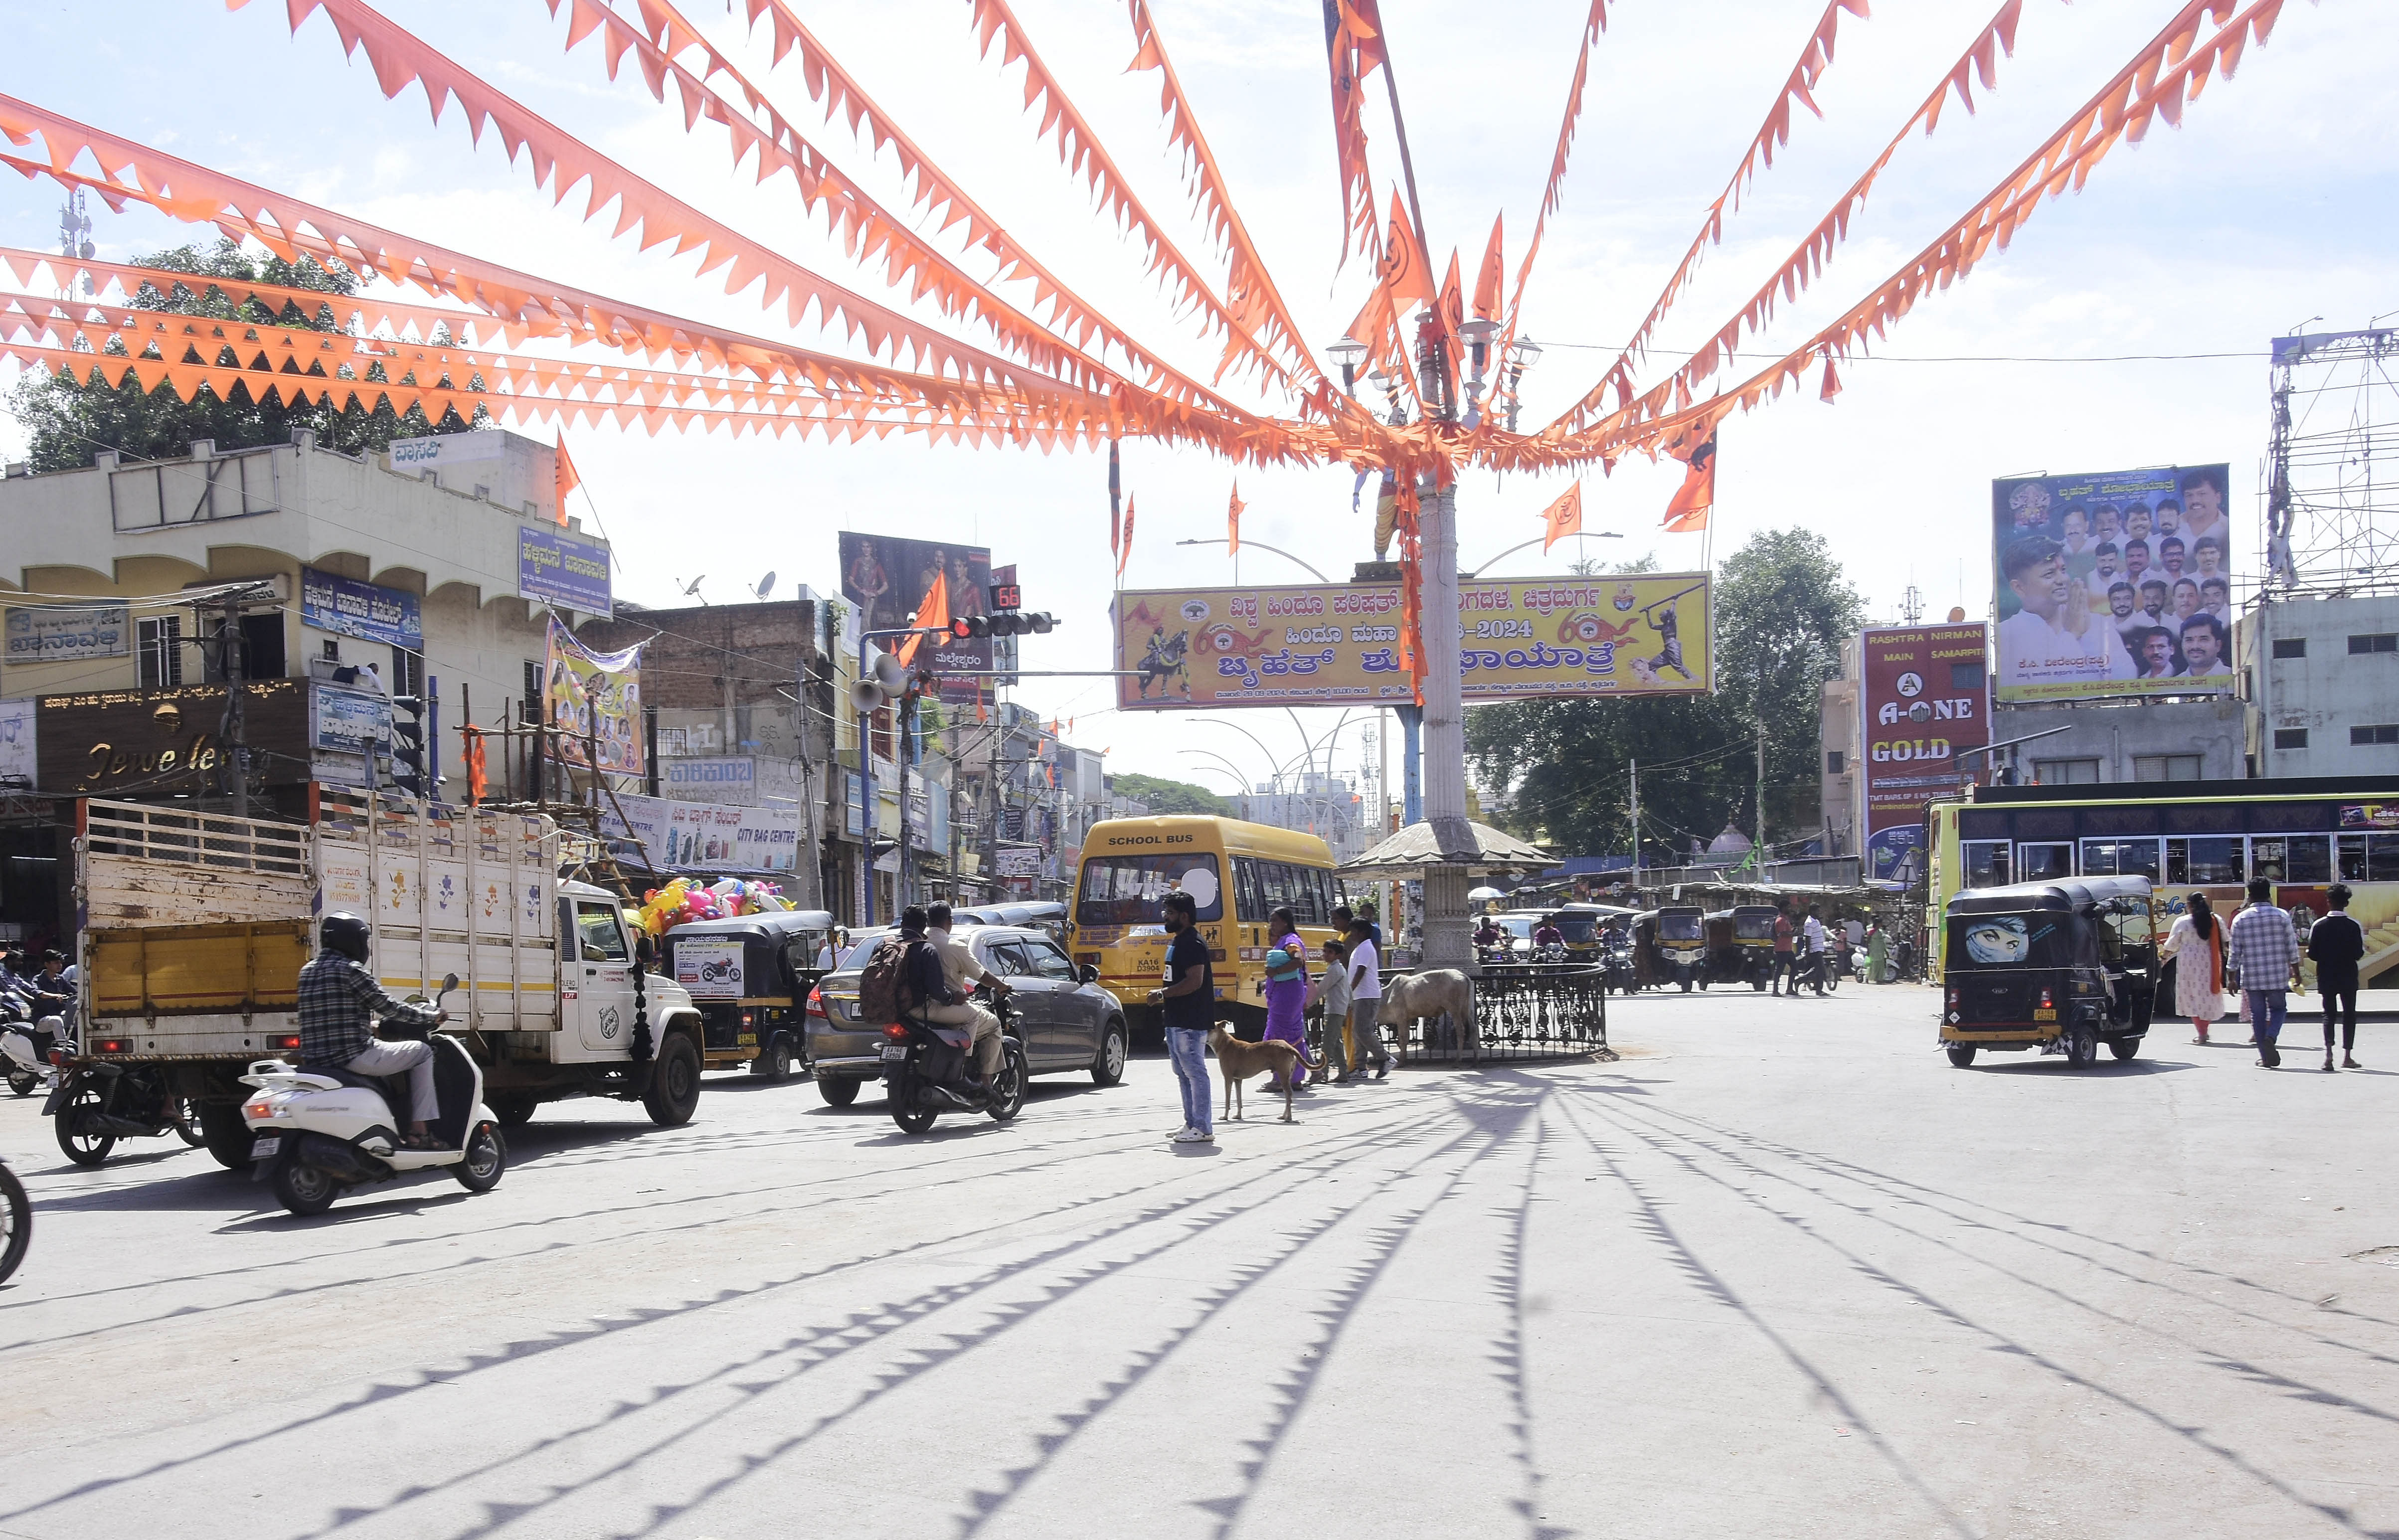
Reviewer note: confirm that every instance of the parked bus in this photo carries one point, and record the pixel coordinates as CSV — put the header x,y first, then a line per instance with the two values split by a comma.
x,y
1237,874
2187,837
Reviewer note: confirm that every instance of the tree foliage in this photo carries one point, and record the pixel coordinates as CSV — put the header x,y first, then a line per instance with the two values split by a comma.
x,y
1170,796
68,420
1783,609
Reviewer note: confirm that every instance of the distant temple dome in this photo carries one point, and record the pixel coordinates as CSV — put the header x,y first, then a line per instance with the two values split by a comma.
x,y
1732,842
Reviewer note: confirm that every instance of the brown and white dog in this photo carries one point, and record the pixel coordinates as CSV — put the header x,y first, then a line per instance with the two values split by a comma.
x,y
1240,1060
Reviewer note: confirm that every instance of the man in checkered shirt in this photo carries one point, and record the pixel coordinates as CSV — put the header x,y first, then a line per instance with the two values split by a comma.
x,y
340,1003
2265,950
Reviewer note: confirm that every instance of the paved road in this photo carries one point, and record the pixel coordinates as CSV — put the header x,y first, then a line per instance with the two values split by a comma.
x,y
1780,1271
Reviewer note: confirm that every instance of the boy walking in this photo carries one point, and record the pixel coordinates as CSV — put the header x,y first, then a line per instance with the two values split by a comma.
x,y
2335,945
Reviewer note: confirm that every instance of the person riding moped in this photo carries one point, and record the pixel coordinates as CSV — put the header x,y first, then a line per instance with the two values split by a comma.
x,y
960,972
340,1003
1488,935
1547,935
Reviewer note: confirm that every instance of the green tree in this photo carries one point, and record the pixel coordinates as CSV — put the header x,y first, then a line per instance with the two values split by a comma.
x,y
1783,609
1170,796
68,420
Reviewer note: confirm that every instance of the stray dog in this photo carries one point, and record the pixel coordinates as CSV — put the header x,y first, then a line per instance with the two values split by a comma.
x,y
1240,1060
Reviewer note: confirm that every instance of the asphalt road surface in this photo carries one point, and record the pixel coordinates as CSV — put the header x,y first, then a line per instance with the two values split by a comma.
x,y
1780,1271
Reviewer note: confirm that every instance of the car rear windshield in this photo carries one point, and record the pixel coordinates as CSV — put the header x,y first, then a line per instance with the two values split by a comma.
x,y
1130,890
1985,942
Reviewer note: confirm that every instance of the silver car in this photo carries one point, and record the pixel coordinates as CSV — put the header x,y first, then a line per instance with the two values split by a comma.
x,y
1066,1021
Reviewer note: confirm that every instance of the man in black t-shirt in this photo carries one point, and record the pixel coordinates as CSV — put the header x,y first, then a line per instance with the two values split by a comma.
x,y
1188,1004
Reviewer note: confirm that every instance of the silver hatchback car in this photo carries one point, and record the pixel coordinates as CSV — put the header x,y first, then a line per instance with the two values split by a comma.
x,y
1066,1021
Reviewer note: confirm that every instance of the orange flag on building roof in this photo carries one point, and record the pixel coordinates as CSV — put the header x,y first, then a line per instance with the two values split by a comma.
x,y
563,476
1562,518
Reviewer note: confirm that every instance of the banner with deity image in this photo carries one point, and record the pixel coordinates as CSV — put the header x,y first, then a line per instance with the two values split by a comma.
x,y
593,700
2114,583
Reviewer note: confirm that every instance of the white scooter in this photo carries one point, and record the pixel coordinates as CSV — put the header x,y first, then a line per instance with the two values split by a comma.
x,y
25,1051
319,1132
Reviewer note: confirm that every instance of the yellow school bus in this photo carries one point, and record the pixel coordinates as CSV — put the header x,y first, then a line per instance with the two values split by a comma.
x,y
1237,874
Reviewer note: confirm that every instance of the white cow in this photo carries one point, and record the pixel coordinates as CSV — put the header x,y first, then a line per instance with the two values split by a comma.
x,y
1430,996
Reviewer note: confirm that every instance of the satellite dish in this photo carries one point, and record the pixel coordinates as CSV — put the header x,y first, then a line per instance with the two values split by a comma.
x,y
691,589
765,585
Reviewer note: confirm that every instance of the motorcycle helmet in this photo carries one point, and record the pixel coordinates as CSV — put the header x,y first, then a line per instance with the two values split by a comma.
x,y
345,934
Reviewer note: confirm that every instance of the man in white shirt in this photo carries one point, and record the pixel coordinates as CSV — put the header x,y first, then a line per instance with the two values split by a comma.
x,y
2203,647
1814,932
2203,504
2107,570
2215,598
1365,1036
2137,532
963,973
2054,637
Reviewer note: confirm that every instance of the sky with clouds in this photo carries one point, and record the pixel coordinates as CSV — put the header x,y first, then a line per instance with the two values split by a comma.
x,y
2272,203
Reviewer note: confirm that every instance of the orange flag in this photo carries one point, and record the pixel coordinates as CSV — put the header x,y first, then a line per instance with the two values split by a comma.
x,y
1562,518
1405,270
1233,519
564,475
477,767
1125,554
1487,282
933,612
1688,511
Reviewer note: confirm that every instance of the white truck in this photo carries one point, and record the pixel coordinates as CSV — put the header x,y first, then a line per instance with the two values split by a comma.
x,y
193,926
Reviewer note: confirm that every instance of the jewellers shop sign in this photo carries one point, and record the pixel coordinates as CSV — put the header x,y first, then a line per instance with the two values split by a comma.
x,y
158,742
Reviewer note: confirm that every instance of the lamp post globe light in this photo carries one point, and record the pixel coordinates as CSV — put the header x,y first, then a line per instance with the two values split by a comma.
x,y
1443,912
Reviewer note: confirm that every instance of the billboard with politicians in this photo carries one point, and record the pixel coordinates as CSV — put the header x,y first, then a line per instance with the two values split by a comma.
x,y
2113,584
1338,643
1926,699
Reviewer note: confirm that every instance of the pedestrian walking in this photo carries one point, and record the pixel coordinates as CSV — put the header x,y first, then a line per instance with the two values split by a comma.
x,y
2335,945
2266,954
2196,945
1786,958
1365,1037
1877,955
1813,931
1188,1002
1331,995
1287,986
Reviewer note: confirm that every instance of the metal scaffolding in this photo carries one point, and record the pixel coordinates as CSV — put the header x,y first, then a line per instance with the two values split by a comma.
x,y
2332,526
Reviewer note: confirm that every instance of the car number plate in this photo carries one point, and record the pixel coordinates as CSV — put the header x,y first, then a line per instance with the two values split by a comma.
x,y
894,1052
2044,1015
264,1149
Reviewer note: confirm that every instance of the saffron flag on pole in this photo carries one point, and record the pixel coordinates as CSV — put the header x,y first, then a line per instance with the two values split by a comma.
x,y
1487,282
1562,518
1233,519
934,612
564,478
1688,512
1125,554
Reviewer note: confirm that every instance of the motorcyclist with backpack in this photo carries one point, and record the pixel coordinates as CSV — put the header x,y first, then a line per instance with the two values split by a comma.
x,y
960,972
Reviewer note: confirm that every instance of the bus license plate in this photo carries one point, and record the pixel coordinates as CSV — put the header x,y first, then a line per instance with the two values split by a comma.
x,y
894,1052
2044,1015
264,1149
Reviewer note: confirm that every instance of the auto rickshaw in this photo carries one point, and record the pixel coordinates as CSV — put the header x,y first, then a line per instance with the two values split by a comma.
x,y
1579,923
749,976
1681,944
2060,967
1752,955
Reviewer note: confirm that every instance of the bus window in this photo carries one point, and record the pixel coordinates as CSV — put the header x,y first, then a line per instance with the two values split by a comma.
x,y
2203,861
1130,890
2353,858
2308,858
2265,859
1249,888
2119,858
2044,863
1987,863
2382,859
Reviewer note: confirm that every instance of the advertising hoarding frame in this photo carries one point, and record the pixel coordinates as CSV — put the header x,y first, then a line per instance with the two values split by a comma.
x,y
883,579
1912,698
1616,635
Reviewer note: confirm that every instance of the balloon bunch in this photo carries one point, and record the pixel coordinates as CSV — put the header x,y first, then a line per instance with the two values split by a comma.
x,y
683,901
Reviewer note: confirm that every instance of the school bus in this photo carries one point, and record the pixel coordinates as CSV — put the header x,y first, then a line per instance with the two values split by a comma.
x,y
1236,873
2211,837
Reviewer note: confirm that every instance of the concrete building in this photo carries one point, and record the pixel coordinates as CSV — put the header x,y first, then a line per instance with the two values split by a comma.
x,y
2321,680
1844,782
1327,806
2135,740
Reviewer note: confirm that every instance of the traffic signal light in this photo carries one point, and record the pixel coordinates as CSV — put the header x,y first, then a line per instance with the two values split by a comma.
x,y
409,770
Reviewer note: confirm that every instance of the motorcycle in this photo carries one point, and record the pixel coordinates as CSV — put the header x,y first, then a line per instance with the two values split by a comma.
x,y
924,1064
17,1215
27,1049
94,1102
1553,953
317,1133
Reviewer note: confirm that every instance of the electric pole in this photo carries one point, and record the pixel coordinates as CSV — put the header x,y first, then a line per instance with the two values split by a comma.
x,y
1637,822
1761,796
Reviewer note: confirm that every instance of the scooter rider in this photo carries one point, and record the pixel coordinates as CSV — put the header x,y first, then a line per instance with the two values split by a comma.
x,y
1547,933
1488,935
961,972
340,1003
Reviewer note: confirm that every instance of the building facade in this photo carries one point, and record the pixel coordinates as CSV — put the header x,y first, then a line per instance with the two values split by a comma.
x,y
2321,678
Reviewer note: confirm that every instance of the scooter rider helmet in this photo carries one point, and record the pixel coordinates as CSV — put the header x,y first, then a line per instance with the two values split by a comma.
x,y
345,934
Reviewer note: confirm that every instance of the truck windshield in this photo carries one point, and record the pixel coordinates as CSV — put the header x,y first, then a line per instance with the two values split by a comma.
x,y
1130,890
